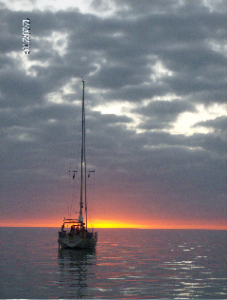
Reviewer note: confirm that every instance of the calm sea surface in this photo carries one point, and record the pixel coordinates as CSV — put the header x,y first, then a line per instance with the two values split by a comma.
x,y
129,264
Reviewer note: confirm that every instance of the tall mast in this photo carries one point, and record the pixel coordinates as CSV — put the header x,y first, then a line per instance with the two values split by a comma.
x,y
82,163
85,168
85,165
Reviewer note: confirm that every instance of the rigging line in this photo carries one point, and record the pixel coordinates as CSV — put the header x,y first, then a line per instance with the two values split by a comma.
x,y
91,190
82,158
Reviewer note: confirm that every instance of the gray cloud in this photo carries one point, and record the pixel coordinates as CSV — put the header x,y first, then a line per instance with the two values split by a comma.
x,y
218,123
162,114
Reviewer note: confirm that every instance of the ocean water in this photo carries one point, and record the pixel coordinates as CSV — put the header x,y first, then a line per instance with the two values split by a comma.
x,y
127,263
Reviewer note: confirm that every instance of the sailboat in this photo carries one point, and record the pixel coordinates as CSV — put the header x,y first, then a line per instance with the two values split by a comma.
x,y
74,233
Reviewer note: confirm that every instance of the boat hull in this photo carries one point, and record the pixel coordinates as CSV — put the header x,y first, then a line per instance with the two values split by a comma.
x,y
76,241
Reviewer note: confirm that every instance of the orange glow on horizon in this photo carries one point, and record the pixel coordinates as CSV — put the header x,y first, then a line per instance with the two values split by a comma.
x,y
152,224
159,224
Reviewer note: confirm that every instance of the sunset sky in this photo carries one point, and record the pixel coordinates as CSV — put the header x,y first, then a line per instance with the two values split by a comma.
x,y
156,124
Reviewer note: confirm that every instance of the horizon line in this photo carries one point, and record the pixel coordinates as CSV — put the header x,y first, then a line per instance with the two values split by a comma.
x,y
170,228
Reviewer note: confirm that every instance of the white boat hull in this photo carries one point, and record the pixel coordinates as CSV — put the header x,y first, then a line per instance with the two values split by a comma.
x,y
76,241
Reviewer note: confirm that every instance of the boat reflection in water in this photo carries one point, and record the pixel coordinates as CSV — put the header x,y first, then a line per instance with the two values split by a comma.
x,y
74,267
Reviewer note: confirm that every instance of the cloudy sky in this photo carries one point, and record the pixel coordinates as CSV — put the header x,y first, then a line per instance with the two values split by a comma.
x,y
156,125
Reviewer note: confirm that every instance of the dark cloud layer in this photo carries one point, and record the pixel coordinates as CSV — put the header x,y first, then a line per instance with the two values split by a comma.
x,y
160,59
